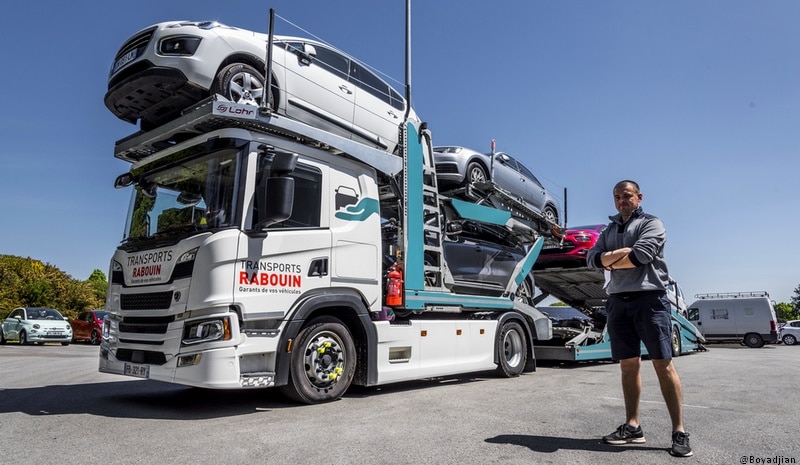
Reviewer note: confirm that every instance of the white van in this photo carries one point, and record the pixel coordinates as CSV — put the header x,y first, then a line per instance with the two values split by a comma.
x,y
741,316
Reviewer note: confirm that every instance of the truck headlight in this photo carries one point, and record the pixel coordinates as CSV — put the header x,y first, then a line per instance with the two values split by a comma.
x,y
215,329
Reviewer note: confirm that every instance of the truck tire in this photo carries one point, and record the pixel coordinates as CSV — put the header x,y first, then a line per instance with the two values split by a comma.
x,y
512,349
241,83
788,339
323,362
753,340
677,347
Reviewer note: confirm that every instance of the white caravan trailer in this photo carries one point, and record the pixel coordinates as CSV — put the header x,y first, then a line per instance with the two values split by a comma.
x,y
740,316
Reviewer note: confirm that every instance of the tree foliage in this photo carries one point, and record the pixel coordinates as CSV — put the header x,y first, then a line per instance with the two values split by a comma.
x,y
27,282
796,299
785,312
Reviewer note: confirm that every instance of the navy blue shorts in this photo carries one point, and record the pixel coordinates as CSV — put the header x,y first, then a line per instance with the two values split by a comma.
x,y
639,317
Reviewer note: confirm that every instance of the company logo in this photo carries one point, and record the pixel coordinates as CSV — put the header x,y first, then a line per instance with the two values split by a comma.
x,y
365,208
231,109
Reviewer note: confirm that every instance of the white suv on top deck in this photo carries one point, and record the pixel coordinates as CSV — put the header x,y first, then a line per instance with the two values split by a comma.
x,y
170,66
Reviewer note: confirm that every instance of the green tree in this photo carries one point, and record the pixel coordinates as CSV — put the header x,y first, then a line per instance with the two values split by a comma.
x,y
99,284
796,300
785,312
27,282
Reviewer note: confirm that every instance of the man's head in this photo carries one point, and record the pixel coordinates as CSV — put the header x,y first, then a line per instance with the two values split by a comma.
x,y
627,197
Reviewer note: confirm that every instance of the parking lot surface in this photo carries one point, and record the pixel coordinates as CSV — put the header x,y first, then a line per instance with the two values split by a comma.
x,y
740,407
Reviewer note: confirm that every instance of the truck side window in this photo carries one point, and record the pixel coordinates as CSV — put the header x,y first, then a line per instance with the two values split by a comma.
x,y
307,198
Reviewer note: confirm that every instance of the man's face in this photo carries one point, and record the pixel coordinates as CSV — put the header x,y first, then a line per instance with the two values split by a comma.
x,y
627,199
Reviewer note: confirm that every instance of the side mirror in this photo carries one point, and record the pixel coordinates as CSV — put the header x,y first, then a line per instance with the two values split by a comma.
x,y
275,194
123,180
308,54
501,157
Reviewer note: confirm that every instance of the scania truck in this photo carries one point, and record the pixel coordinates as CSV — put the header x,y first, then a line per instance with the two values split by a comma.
x,y
260,251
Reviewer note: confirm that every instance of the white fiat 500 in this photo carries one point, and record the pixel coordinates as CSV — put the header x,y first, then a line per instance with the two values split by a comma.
x,y
166,68
35,324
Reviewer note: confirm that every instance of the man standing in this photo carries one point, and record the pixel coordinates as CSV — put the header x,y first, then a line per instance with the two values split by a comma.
x,y
631,248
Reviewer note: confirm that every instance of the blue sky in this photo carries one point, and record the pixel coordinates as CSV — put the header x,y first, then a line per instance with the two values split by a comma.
x,y
699,101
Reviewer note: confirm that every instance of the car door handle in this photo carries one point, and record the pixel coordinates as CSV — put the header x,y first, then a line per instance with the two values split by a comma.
x,y
345,89
392,114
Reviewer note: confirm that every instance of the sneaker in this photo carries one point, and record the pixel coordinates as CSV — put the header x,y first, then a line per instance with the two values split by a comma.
x,y
680,444
625,434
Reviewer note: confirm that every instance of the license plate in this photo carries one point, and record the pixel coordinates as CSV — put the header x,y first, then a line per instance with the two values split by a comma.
x,y
124,60
139,371
55,333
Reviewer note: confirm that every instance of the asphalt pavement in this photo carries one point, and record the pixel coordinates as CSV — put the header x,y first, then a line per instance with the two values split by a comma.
x,y
740,407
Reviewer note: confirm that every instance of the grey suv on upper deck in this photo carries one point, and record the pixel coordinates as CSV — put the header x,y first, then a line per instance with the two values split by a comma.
x,y
459,166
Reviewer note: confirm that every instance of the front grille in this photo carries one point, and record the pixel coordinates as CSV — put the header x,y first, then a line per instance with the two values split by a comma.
x,y
139,41
149,301
146,325
448,168
141,356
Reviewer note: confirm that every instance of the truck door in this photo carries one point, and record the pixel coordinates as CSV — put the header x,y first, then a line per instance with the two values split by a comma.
x,y
274,269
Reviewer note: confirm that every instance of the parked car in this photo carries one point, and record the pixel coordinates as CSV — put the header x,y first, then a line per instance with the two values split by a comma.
x,y
482,259
572,249
165,68
35,324
790,332
567,317
459,166
88,326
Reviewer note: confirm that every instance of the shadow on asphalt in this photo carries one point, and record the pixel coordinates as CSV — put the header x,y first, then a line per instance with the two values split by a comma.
x,y
551,444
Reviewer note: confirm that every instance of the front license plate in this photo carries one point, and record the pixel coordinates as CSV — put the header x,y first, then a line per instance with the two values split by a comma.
x,y
124,60
54,333
139,371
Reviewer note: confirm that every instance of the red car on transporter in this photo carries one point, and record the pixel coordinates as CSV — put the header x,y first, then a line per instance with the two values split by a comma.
x,y
571,251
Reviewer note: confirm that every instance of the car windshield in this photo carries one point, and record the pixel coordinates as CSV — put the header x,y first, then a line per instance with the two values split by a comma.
x,y
179,199
100,315
44,314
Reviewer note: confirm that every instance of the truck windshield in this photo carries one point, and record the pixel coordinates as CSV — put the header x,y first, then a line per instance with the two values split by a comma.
x,y
183,198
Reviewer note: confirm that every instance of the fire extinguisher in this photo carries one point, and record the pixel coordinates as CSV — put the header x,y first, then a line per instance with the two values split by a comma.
x,y
394,288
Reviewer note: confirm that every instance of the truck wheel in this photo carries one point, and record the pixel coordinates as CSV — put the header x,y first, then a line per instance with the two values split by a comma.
x,y
676,342
788,339
323,362
241,83
512,349
753,340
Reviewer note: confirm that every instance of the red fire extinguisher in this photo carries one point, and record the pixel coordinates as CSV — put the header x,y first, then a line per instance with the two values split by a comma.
x,y
394,288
